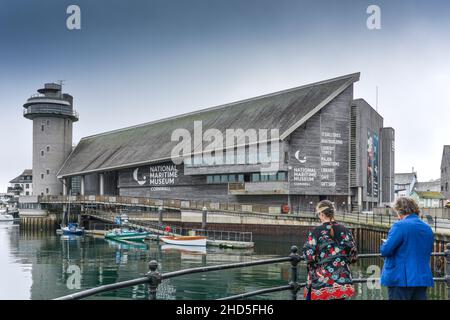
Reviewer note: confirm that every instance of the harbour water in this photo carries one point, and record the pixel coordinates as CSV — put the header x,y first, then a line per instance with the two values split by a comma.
x,y
46,266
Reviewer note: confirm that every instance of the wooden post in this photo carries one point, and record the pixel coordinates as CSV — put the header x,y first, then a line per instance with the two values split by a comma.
x,y
204,214
160,215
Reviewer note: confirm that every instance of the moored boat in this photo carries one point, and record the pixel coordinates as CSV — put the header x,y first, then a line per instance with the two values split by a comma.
x,y
6,217
185,240
72,229
121,234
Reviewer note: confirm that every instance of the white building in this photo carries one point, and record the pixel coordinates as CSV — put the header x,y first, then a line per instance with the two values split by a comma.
x,y
22,185
404,184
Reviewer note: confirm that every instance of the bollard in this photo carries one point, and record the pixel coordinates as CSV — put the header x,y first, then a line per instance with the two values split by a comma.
x,y
295,259
447,269
154,279
204,213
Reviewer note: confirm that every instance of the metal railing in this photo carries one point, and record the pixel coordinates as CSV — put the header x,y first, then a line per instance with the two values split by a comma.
x,y
256,210
154,278
63,110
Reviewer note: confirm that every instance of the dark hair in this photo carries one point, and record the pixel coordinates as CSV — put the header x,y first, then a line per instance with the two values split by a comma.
x,y
326,207
406,206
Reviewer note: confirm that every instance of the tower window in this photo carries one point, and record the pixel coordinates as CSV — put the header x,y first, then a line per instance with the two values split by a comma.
x,y
42,176
42,153
48,171
48,148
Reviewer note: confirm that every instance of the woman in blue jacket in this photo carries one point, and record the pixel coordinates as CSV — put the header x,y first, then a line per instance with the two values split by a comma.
x,y
407,250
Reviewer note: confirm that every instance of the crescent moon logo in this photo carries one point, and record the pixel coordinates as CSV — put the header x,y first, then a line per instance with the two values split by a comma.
x,y
297,156
135,177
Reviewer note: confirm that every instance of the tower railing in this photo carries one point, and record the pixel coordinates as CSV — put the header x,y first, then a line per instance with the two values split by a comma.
x,y
61,110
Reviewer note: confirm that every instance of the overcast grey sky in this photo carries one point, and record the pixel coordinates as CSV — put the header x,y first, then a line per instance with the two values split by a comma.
x,y
137,61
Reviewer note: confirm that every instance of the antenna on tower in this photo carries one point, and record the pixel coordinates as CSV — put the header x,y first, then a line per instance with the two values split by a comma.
x,y
61,83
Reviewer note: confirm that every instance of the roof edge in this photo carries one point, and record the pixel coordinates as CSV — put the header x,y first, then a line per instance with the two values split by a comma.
x,y
354,76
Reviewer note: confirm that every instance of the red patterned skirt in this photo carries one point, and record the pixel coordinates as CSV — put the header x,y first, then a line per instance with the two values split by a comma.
x,y
337,291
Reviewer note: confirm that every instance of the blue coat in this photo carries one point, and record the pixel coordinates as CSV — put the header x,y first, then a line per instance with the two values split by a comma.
x,y
407,252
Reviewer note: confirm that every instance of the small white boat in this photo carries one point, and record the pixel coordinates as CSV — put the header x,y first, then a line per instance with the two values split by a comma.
x,y
185,240
6,217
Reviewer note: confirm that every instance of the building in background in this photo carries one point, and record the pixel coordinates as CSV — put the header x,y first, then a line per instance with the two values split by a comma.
x,y
432,185
330,147
21,185
445,172
404,184
428,199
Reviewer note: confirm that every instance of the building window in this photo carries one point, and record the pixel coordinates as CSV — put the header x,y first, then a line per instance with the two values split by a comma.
x,y
27,193
446,186
42,128
46,190
257,177
48,171
42,153
48,122
224,178
27,186
48,148
42,176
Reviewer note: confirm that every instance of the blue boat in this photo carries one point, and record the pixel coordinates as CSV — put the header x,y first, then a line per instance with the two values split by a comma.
x,y
73,229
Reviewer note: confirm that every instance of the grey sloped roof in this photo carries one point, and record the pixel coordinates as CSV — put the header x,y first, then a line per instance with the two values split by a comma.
x,y
19,179
150,142
434,185
404,178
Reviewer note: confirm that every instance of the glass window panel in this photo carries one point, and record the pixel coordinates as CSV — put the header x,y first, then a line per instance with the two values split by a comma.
x,y
282,176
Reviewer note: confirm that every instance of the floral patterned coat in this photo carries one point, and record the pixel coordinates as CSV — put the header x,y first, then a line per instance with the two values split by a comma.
x,y
328,262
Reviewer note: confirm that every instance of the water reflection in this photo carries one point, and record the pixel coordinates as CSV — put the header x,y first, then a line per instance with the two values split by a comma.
x,y
48,266
15,275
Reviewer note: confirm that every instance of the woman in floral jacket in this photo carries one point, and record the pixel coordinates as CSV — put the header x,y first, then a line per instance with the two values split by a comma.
x,y
328,251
